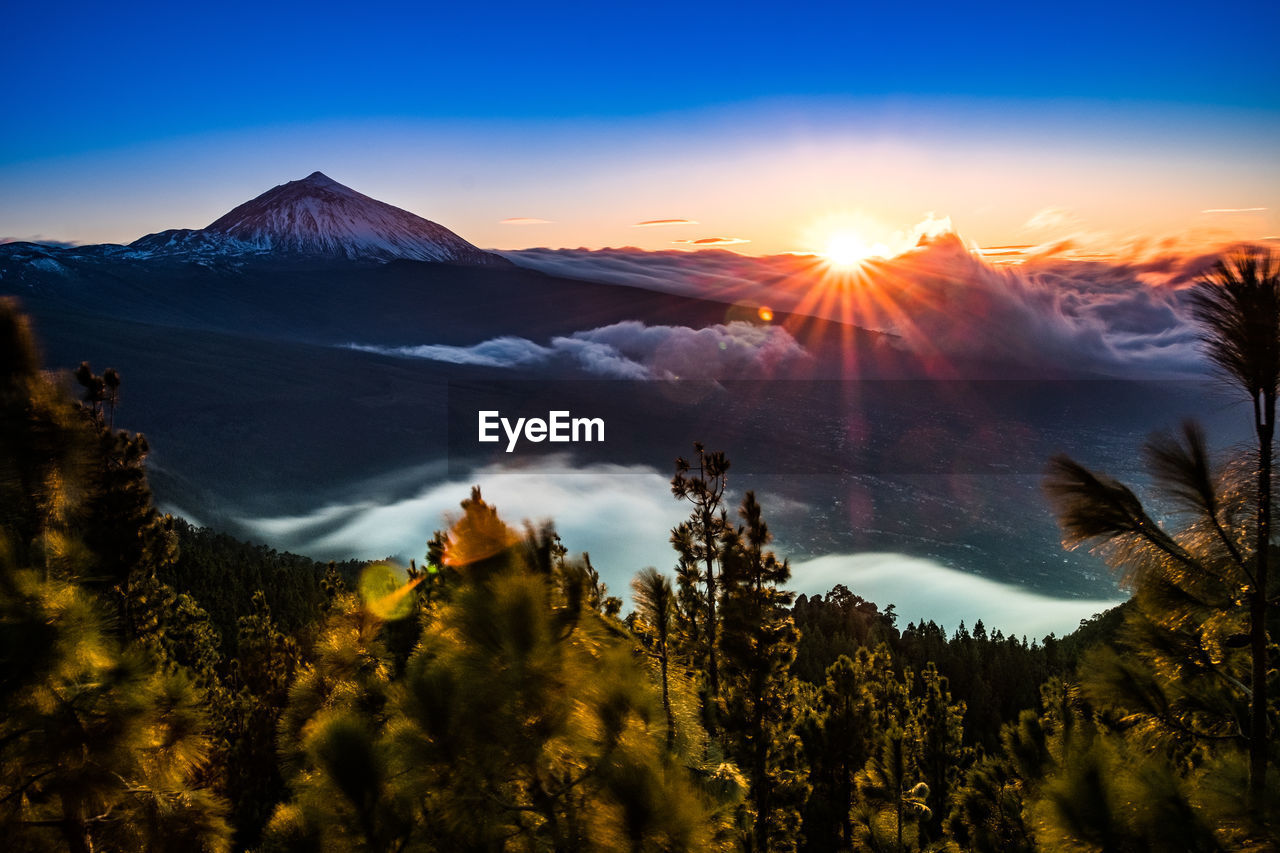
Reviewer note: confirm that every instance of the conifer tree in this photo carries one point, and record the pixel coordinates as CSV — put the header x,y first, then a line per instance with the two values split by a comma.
x,y
935,728
522,721
1238,307
99,747
691,601
655,601
698,540
1178,693
759,700
261,671
891,803
838,735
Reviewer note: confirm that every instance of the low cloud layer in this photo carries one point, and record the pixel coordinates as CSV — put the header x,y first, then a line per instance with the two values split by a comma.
x,y
921,590
631,350
622,515
1121,315
40,241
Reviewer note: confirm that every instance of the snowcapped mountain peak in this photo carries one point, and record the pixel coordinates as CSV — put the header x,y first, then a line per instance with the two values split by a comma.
x,y
317,216
321,181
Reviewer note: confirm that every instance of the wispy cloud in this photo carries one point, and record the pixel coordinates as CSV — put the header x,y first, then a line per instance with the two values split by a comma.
x,y
525,220
1235,210
713,241
1051,217
651,223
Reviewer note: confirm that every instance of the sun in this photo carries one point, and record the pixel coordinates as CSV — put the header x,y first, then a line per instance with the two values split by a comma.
x,y
847,249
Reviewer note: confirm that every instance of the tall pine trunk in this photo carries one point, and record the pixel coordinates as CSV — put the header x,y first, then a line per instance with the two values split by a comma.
x,y
666,702
1264,411
74,829
713,670
760,781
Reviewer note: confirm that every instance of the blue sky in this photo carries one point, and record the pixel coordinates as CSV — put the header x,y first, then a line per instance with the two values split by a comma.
x,y
106,97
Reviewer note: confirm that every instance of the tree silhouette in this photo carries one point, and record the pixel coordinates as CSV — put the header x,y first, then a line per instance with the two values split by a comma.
x,y
838,735
1238,306
521,721
936,730
759,705
703,485
888,796
99,747
1179,690
690,599
655,602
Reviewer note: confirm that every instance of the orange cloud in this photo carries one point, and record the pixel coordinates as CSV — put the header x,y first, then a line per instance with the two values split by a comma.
x,y
650,223
1235,210
713,241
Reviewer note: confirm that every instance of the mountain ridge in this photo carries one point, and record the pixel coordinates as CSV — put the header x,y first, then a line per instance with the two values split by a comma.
x,y
314,217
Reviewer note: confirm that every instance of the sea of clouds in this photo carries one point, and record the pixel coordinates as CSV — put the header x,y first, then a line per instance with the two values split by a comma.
x,y
1125,315
1122,314
626,528
630,350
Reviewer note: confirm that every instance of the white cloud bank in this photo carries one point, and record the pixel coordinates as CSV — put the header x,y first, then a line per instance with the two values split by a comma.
x,y
622,515
631,350
921,590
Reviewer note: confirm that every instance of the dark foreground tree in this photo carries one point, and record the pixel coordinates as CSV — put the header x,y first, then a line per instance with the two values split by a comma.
x,y
523,721
703,483
655,604
759,704
1180,690
100,748
1238,306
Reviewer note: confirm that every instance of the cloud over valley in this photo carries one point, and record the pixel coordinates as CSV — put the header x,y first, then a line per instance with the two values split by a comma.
x,y
1046,305
630,350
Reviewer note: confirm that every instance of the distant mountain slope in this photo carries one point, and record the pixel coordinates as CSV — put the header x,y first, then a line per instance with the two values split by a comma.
x,y
315,217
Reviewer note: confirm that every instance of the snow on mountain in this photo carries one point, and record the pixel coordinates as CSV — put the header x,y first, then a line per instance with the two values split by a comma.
x,y
317,216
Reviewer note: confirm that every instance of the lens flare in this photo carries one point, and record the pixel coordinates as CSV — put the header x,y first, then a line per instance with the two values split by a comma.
x,y
384,591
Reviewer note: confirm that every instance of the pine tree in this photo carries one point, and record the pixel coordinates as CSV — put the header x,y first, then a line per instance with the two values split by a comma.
x,y
1178,694
522,721
698,539
759,699
891,804
1238,306
935,728
655,604
691,603
838,733
334,742
261,671
99,747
